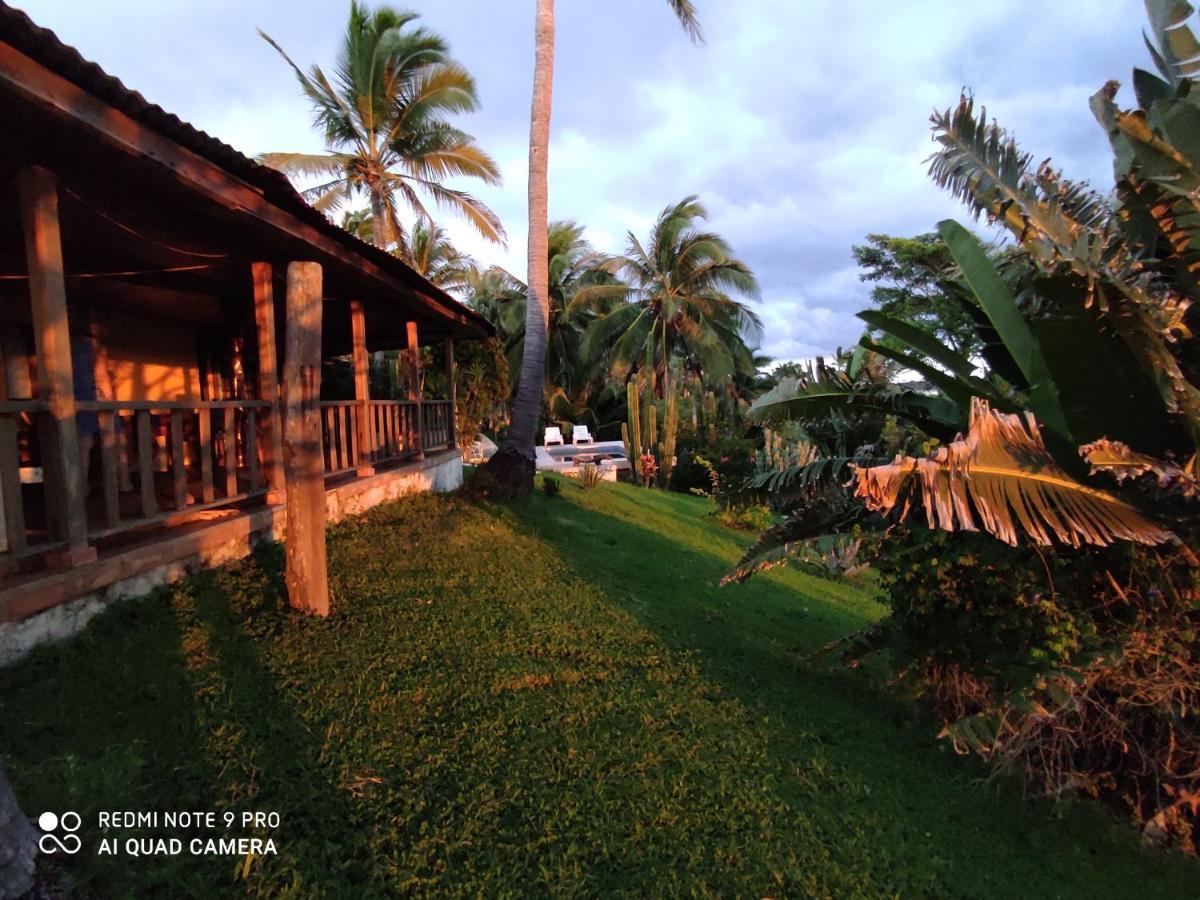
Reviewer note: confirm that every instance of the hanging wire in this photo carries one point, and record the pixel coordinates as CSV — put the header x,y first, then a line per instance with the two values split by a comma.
x,y
124,274
138,234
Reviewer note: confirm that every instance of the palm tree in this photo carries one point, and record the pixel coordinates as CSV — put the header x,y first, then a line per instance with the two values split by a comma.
x,y
431,254
680,310
385,120
513,465
360,223
579,289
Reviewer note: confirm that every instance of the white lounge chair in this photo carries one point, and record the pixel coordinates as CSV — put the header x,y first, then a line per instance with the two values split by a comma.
x,y
581,435
553,436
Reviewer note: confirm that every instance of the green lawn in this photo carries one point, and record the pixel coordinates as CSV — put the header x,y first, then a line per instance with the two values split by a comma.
x,y
551,697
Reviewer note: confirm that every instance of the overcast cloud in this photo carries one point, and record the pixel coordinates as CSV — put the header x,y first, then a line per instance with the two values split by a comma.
x,y
801,124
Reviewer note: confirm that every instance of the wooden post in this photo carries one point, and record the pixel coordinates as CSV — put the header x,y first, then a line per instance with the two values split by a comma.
x,y
66,499
413,356
178,463
451,395
13,505
362,387
207,492
268,380
110,456
230,431
145,455
306,571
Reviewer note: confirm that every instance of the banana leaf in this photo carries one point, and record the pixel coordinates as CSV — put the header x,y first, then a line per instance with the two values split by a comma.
x,y
1000,478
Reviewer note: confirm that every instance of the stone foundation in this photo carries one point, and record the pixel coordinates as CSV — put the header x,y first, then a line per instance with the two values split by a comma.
x,y
60,604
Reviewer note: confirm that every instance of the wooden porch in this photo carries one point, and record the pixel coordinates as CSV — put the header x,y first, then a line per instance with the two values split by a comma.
x,y
155,288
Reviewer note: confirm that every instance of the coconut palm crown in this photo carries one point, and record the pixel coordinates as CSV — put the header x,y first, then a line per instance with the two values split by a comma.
x,y
681,307
385,117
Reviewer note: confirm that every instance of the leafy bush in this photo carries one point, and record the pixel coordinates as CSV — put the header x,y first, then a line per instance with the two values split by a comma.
x,y
731,458
479,482
1079,667
1082,666
550,486
747,518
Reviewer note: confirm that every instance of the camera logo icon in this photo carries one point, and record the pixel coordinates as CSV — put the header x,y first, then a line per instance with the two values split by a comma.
x,y
52,824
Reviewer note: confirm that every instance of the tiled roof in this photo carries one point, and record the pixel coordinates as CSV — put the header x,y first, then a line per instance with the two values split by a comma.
x,y
43,46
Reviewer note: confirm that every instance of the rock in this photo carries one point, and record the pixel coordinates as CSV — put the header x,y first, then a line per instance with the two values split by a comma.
x,y
18,845
512,471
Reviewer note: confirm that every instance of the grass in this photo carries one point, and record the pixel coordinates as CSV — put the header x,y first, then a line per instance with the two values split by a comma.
x,y
549,698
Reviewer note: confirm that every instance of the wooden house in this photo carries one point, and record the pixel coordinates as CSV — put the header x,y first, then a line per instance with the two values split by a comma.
x,y
143,332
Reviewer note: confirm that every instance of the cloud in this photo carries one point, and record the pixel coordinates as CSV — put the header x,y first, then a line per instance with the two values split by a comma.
x,y
802,126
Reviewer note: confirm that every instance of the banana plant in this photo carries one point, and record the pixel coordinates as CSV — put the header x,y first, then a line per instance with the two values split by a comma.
x,y
1089,337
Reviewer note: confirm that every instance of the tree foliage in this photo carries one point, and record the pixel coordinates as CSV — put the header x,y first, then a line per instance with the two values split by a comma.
x,y
386,118
909,278
682,310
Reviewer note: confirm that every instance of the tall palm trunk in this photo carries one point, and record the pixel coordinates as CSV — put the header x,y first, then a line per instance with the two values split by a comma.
x,y
379,223
514,464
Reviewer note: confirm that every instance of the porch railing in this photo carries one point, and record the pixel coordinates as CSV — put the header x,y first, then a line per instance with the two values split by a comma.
x,y
152,461
156,460
392,427
437,420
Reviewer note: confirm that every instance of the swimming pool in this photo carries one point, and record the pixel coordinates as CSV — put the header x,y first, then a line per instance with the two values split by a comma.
x,y
598,451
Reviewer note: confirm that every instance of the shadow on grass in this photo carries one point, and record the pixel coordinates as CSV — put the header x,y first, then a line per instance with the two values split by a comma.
x,y
840,740
186,716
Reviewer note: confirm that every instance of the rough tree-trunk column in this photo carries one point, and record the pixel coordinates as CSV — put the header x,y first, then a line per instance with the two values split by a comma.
x,y
18,845
362,388
412,356
306,574
514,464
268,380
64,479
451,392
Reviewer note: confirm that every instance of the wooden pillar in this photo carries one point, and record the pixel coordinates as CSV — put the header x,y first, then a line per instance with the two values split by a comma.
x,y
362,387
306,572
412,355
451,394
268,380
65,495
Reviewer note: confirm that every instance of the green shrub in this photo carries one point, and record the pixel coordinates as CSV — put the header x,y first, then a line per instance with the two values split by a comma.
x,y
732,458
747,518
1079,667
589,476
479,483
550,486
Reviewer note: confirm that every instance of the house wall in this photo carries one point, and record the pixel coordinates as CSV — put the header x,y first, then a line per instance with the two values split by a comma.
x,y
132,357
148,359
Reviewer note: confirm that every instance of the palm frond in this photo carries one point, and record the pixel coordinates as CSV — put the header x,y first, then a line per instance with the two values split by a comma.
x,y
475,211
1123,464
1001,478
981,165
828,391
689,19
778,545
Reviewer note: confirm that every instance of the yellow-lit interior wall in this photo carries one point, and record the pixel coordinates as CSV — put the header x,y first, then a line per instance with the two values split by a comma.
x,y
148,359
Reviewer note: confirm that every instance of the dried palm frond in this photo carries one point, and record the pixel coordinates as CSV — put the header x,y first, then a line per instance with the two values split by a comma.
x,y
1118,460
999,476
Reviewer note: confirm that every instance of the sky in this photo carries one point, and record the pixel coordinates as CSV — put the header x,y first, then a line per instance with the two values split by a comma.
x,y
802,125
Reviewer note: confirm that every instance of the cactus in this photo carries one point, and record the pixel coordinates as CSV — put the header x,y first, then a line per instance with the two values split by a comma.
x,y
779,452
666,449
631,433
640,434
